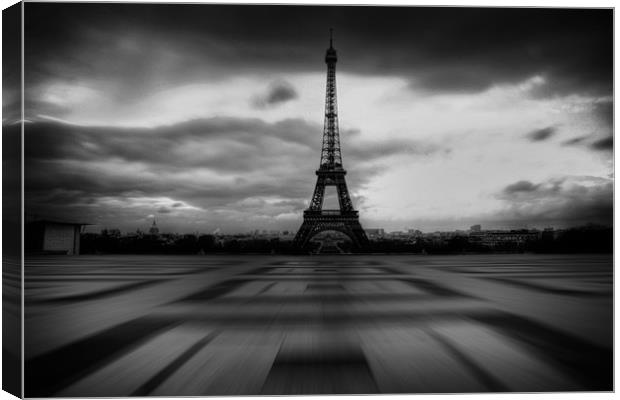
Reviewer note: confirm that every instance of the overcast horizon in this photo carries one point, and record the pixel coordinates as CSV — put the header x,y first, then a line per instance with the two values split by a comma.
x,y
207,117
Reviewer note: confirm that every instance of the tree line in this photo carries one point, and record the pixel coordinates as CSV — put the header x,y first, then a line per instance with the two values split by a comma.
x,y
588,239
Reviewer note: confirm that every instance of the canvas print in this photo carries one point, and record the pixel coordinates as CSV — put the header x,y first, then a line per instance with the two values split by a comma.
x,y
233,199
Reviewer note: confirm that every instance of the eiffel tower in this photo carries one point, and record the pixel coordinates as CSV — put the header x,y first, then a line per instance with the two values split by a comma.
x,y
331,173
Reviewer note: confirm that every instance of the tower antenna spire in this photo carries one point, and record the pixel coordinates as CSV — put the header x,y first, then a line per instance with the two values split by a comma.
x,y
331,36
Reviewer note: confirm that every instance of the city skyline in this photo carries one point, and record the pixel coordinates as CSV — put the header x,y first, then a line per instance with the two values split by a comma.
x,y
448,117
163,230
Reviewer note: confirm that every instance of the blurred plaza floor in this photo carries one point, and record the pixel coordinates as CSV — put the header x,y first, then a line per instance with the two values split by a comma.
x,y
250,325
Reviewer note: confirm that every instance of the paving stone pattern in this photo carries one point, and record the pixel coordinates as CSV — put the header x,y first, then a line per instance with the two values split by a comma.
x,y
251,325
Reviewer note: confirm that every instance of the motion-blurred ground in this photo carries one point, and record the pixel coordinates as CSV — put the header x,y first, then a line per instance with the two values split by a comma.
x,y
233,325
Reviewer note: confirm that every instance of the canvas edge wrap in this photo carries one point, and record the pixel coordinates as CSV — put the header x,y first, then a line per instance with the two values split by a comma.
x,y
12,169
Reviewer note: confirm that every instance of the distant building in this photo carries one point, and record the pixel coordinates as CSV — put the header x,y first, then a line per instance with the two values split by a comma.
x,y
502,238
475,228
397,233
549,234
56,237
375,232
154,230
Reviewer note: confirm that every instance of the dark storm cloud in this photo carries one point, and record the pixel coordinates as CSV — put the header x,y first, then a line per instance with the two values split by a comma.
x,y
365,151
50,140
520,186
605,111
605,144
278,92
166,145
11,64
541,134
575,141
567,201
95,162
207,163
437,49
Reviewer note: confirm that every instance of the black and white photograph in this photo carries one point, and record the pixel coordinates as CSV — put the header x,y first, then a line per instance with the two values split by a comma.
x,y
208,199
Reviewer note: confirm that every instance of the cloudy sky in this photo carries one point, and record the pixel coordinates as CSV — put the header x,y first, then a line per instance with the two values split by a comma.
x,y
210,116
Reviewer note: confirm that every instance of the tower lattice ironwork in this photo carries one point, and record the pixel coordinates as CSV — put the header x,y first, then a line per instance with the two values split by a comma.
x,y
331,173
